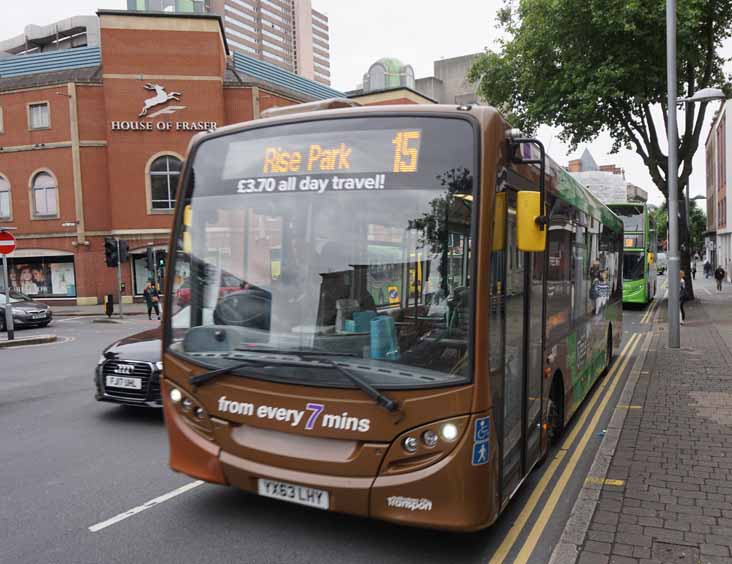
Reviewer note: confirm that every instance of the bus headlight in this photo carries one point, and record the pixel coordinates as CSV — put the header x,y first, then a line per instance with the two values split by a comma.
x,y
191,411
410,444
430,438
449,431
423,446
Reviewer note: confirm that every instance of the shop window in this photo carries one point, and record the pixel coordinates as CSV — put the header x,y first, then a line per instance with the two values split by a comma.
x,y
39,116
43,276
44,195
164,174
4,198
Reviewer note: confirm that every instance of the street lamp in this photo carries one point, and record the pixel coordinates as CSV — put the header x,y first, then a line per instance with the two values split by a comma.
x,y
703,95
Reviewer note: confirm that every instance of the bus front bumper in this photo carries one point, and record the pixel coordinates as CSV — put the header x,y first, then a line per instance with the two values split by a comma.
x,y
452,494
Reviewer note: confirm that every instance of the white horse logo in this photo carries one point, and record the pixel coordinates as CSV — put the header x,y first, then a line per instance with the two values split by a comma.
x,y
161,96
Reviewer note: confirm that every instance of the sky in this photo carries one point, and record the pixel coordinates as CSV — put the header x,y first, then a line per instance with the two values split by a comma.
x,y
417,32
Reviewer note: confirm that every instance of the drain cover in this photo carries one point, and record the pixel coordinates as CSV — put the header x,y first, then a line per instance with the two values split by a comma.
x,y
675,553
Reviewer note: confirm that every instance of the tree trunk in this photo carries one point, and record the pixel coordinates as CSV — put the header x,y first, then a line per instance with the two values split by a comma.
x,y
685,251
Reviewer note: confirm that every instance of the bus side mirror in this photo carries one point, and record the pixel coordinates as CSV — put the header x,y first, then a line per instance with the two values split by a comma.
x,y
530,237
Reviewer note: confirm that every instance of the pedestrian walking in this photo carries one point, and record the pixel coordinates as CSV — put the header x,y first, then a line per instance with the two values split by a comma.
x,y
707,269
683,296
693,269
719,275
152,300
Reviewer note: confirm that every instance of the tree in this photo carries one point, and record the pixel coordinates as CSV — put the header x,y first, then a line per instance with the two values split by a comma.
x,y
588,66
697,223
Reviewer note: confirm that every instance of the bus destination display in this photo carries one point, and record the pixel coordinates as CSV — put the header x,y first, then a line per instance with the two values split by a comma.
x,y
349,160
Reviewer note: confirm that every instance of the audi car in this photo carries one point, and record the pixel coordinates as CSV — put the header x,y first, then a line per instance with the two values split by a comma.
x,y
128,371
26,311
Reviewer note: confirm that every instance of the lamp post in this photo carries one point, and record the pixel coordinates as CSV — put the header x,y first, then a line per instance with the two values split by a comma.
x,y
672,175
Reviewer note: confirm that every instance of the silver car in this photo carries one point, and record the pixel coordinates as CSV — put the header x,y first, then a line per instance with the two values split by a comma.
x,y
26,311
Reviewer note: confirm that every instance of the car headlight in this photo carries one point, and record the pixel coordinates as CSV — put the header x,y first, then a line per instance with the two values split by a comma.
x,y
101,360
159,366
19,312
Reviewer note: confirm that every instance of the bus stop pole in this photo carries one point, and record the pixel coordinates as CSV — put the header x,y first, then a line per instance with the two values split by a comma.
x,y
672,175
119,279
8,309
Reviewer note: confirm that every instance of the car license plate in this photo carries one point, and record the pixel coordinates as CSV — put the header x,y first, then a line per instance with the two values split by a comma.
x,y
293,493
122,382
38,316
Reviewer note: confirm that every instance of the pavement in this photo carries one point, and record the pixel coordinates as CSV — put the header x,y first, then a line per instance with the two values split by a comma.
x,y
666,496
96,310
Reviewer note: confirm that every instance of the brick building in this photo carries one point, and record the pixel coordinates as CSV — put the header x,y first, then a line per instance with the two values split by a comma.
x,y
92,139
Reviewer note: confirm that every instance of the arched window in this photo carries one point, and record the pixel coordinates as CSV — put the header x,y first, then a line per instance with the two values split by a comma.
x,y
4,198
45,195
377,78
164,173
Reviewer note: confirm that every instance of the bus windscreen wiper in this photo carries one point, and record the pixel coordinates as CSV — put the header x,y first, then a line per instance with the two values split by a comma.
x,y
380,398
201,379
306,360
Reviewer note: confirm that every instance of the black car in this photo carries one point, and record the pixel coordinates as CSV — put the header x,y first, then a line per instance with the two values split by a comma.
x,y
26,311
129,370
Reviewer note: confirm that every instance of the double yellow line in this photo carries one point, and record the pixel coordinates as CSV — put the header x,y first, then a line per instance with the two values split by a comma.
x,y
605,391
649,312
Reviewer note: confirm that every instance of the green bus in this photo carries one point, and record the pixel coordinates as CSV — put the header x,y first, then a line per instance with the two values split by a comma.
x,y
640,246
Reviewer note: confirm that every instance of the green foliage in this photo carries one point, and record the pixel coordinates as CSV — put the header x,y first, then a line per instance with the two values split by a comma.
x,y
593,65
697,221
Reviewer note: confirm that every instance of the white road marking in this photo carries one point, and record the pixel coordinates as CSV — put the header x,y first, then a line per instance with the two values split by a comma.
x,y
707,291
144,506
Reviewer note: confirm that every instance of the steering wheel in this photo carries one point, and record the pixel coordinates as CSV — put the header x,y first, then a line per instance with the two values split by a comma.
x,y
245,309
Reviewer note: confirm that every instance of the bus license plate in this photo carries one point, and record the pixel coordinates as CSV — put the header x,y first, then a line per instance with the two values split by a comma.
x,y
293,493
122,382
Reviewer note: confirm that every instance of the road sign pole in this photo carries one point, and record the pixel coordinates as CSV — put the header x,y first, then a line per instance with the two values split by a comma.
x,y
155,268
8,310
7,246
119,279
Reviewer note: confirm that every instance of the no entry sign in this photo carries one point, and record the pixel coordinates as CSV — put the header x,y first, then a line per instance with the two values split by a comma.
x,y
7,243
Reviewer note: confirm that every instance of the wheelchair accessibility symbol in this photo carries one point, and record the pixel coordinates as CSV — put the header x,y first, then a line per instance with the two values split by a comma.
x,y
482,429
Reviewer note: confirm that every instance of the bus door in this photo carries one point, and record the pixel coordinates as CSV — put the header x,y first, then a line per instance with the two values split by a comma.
x,y
519,283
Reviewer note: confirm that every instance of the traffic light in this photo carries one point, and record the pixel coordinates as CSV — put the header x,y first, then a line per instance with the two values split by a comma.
x,y
123,251
150,259
110,251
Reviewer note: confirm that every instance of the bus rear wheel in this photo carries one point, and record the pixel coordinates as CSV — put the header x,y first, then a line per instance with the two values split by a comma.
x,y
556,410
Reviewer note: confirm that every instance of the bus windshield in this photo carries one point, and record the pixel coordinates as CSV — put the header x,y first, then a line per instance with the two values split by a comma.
x,y
632,217
633,266
347,237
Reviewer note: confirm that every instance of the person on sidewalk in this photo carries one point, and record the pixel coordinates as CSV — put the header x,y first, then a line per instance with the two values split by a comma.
x,y
693,269
719,275
152,300
707,269
683,296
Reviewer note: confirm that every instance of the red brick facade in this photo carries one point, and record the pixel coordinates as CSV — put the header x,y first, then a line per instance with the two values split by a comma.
x,y
102,168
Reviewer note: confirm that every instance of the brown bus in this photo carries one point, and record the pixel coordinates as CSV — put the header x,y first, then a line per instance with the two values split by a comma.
x,y
425,299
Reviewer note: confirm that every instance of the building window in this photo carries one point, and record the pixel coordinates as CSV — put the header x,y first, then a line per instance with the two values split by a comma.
x,y
164,174
39,116
4,198
44,195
